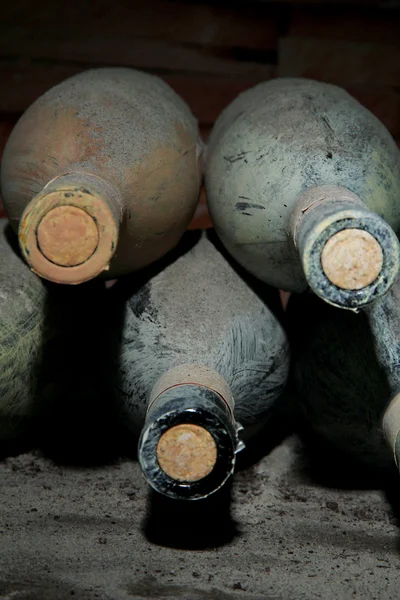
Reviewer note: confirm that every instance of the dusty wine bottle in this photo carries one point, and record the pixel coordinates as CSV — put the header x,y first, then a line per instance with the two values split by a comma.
x,y
200,354
303,186
346,375
101,174
24,330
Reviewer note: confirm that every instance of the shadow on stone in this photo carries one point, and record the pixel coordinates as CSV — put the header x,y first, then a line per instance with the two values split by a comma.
x,y
271,435
190,525
79,425
320,463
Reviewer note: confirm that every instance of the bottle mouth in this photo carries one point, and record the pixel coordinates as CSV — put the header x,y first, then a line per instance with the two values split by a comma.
x,y
352,260
187,454
68,235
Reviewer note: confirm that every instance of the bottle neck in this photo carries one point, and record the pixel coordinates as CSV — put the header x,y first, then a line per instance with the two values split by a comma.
x,y
68,233
189,441
350,255
195,374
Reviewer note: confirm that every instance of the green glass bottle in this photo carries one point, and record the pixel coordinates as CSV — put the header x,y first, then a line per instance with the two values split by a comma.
x,y
303,186
24,332
201,356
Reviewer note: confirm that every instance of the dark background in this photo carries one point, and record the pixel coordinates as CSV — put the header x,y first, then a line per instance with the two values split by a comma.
x,y
207,51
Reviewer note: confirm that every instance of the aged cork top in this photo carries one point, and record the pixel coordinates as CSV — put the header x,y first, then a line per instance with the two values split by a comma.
x,y
67,236
352,259
187,452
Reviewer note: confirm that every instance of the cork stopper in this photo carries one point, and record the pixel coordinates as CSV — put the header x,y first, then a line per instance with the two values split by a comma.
x,y
352,259
67,236
187,452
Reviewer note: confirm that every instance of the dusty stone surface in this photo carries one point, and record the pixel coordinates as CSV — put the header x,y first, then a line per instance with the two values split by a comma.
x,y
69,532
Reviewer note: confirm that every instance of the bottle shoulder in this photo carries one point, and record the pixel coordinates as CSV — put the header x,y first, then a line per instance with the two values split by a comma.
x,y
200,311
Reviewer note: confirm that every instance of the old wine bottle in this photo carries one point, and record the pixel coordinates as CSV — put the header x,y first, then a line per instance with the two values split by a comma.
x,y
101,174
303,186
200,353
347,377
24,332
